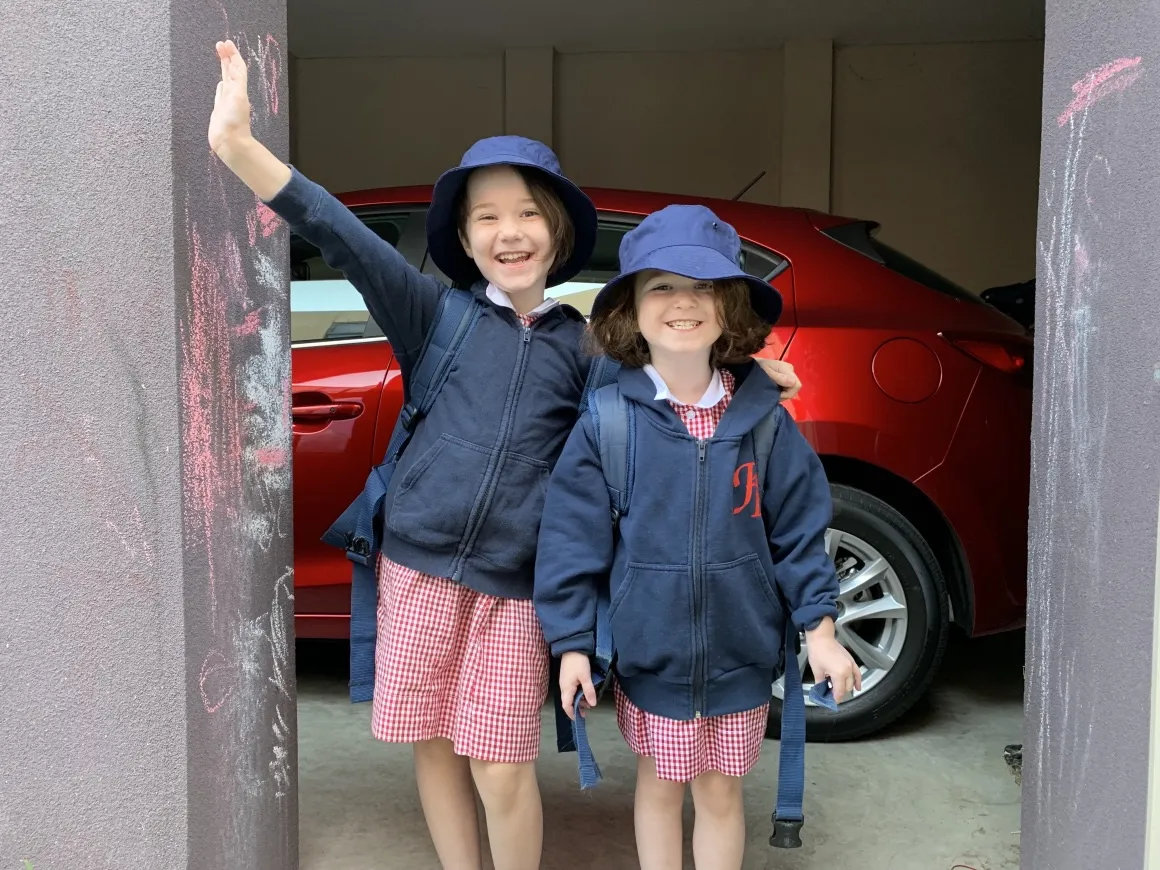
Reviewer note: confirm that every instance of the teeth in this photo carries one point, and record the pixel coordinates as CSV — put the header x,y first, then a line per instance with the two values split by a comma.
x,y
684,324
512,258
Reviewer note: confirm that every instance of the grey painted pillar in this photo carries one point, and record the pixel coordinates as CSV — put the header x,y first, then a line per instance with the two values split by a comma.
x,y
147,702
1096,441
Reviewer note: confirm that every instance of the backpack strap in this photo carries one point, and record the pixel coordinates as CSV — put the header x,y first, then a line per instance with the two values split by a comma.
x,y
601,373
454,319
615,436
788,816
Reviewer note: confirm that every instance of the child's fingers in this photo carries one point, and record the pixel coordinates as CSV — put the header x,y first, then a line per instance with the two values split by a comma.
x,y
589,692
838,687
238,68
568,698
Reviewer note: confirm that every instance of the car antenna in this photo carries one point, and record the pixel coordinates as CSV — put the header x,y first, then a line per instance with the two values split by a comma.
x,y
745,189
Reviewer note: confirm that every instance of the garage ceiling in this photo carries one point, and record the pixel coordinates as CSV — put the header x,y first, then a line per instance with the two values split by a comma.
x,y
352,28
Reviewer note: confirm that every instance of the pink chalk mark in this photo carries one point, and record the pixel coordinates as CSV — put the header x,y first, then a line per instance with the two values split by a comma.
x,y
1083,261
271,457
1099,83
267,220
271,71
213,439
251,324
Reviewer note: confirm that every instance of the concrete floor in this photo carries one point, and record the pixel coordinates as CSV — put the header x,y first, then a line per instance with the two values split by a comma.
x,y
930,793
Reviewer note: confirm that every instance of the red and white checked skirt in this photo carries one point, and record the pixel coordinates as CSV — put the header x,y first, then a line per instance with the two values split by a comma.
x,y
683,750
454,663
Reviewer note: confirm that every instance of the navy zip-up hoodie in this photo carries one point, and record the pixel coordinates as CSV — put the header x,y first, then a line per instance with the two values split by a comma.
x,y
699,591
466,497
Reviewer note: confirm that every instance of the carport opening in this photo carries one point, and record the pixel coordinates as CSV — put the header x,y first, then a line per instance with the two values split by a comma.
x,y
882,194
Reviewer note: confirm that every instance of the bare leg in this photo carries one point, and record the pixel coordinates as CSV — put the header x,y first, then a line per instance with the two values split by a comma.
x,y
719,829
448,800
515,815
659,836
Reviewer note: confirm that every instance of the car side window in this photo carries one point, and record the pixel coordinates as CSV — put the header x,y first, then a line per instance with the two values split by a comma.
x,y
602,266
762,263
324,306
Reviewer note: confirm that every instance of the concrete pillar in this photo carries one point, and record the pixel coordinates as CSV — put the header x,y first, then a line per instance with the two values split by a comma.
x,y
529,89
807,109
1096,478
147,699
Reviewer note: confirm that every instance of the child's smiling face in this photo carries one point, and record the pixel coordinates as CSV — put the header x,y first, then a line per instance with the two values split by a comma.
x,y
675,314
506,232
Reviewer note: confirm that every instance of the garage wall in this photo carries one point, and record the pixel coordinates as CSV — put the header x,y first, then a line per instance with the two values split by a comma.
x,y
383,121
703,123
940,143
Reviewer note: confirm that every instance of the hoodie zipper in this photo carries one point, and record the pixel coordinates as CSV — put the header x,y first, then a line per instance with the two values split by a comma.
x,y
699,657
490,478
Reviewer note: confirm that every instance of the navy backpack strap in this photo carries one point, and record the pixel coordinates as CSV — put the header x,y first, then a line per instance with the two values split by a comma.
x,y
359,529
601,373
613,425
457,313
788,816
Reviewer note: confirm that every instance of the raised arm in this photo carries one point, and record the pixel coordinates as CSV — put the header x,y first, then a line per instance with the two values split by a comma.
x,y
399,297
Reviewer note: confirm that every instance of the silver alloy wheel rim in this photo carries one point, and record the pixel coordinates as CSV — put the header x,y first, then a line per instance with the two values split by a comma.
x,y
872,617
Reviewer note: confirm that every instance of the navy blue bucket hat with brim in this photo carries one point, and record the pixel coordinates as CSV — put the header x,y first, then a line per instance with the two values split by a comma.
x,y
687,240
443,241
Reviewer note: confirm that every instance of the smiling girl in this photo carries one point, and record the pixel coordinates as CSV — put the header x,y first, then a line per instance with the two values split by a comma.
x,y
706,566
460,664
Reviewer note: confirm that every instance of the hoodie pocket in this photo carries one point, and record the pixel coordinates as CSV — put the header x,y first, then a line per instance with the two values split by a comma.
x,y
652,622
507,538
744,616
432,505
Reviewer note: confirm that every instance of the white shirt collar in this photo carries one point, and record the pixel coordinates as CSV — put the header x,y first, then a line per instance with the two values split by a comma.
x,y
714,394
500,298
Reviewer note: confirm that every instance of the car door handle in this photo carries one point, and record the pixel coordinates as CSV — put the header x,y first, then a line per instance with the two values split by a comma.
x,y
328,411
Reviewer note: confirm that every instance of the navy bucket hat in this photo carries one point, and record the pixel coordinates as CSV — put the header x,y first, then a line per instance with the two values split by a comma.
x,y
687,240
442,220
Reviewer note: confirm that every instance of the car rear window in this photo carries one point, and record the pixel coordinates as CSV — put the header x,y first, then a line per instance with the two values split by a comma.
x,y
860,237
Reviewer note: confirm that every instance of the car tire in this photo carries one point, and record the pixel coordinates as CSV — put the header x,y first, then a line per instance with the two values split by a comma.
x,y
865,526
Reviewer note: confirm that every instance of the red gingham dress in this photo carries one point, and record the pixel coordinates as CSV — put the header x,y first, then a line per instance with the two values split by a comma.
x,y
454,663
683,750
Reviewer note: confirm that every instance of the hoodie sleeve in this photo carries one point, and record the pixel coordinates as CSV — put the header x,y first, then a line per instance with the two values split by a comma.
x,y
800,508
401,299
575,549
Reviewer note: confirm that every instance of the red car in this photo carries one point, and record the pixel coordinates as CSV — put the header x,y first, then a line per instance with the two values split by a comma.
x,y
917,397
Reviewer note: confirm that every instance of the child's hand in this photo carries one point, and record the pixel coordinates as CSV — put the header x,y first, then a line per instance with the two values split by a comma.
x,y
782,374
575,672
230,121
828,658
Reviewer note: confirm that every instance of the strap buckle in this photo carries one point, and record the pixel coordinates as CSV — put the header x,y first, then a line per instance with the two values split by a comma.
x,y
409,416
787,833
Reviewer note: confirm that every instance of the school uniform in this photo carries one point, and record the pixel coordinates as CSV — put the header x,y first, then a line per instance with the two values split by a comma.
x,y
458,650
704,569
729,744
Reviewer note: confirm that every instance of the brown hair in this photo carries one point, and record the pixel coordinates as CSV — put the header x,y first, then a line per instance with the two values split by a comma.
x,y
615,331
548,202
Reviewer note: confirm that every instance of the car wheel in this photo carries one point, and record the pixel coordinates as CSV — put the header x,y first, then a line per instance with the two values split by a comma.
x,y
894,618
